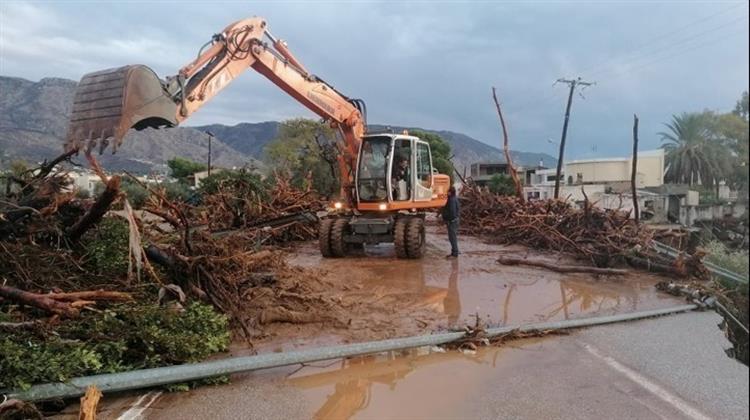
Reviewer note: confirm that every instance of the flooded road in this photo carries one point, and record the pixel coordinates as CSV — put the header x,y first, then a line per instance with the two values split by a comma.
x,y
459,289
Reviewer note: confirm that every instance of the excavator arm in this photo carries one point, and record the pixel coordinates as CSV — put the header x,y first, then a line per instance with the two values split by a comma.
x,y
110,102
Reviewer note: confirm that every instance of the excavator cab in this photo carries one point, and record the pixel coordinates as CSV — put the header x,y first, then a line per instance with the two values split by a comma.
x,y
395,172
108,103
395,184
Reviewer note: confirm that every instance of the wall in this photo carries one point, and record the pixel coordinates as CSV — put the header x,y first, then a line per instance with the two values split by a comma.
x,y
650,170
704,213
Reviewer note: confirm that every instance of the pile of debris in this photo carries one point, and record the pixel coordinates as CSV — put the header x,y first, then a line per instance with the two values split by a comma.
x,y
235,200
606,238
69,266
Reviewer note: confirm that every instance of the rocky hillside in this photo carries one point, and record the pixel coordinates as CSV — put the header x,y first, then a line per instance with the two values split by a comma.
x,y
33,122
33,119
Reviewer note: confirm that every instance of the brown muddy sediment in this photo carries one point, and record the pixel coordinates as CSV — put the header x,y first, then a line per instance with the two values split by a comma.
x,y
377,296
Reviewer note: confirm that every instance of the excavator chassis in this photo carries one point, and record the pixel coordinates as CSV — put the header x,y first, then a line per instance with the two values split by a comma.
x,y
340,235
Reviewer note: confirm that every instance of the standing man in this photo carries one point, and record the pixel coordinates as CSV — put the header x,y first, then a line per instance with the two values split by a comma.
x,y
450,217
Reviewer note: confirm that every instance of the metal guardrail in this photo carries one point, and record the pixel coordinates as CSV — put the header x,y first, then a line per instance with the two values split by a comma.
x,y
146,378
712,268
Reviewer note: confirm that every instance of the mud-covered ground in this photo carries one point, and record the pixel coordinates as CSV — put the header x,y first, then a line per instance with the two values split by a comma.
x,y
377,296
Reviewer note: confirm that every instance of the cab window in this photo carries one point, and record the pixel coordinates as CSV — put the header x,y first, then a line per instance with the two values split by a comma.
x,y
424,166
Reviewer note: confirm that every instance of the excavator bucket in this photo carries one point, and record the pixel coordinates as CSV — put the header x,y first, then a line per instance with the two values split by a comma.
x,y
108,103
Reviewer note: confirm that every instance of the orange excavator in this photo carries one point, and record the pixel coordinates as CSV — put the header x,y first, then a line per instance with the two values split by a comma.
x,y
387,180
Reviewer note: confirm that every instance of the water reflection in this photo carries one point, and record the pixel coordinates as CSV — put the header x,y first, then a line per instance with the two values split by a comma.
x,y
353,379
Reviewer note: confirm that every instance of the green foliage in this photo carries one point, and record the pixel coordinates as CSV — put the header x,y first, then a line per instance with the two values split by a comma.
x,y
440,150
719,254
106,247
83,194
502,185
742,108
243,183
694,156
182,168
707,148
18,167
137,195
306,149
124,337
178,191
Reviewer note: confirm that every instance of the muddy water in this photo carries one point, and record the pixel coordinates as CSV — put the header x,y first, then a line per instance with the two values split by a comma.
x,y
417,383
476,284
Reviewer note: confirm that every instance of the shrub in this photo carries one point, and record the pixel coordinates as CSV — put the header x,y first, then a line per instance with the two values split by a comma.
x,y
137,195
719,254
106,247
124,337
501,185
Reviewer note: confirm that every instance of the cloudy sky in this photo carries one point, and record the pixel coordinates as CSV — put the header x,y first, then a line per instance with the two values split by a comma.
x,y
426,63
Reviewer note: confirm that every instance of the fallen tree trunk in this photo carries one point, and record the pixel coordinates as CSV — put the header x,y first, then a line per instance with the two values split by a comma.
x,y
91,295
561,268
38,301
97,210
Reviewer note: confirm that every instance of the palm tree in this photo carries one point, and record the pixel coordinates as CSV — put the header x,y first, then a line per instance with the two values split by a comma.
x,y
693,155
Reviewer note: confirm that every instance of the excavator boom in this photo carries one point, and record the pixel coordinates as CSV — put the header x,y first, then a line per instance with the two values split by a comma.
x,y
110,102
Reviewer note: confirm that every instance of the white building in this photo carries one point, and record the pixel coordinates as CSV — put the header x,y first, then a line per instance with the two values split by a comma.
x,y
84,181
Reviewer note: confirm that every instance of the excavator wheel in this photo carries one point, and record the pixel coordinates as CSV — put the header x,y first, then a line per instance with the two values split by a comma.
x,y
324,237
399,238
415,238
338,246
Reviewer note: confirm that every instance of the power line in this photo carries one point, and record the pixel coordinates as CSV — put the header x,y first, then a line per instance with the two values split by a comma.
x,y
658,38
680,42
541,99
635,65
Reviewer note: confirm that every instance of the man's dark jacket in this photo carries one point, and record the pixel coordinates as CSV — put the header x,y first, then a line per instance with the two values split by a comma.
x,y
451,209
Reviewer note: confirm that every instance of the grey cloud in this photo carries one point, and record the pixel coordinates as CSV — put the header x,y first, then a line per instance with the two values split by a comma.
x,y
421,63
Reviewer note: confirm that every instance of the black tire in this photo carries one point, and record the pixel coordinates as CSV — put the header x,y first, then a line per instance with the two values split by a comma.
x,y
415,238
399,238
324,237
338,246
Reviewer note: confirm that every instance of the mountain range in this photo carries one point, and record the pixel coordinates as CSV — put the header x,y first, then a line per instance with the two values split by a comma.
x,y
34,115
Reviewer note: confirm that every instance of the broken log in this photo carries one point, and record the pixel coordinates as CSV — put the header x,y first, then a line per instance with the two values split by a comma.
x,y
281,314
89,403
506,149
561,268
91,295
97,211
38,301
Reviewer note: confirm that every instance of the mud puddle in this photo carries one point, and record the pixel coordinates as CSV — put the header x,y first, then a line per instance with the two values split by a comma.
x,y
416,383
457,290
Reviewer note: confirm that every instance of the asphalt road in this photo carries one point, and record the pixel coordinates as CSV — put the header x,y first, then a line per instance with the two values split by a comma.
x,y
666,368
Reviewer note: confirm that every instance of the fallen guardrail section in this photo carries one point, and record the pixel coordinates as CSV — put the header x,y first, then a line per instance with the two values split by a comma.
x,y
147,378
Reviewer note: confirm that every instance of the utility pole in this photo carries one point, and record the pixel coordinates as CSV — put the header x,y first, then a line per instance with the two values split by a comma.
x,y
210,136
634,171
572,83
